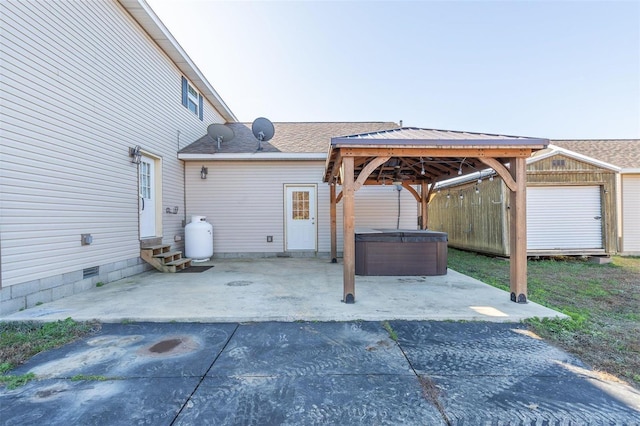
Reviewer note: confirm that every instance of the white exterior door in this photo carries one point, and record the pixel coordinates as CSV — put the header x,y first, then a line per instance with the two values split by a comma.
x,y
300,217
147,200
564,217
631,214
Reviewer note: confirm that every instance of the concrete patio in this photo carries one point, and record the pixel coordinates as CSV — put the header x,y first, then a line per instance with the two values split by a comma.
x,y
285,289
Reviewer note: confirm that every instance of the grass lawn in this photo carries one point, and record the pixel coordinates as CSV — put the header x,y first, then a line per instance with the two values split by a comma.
x,y
19,341
603,302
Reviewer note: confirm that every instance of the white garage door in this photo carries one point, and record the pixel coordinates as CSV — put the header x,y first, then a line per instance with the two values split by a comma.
x,y
564,217
631,214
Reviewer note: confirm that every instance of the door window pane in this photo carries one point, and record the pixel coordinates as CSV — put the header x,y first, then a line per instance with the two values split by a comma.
x,y
145,180
300,205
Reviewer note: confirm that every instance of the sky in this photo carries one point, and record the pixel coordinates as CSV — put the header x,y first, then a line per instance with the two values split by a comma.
x,y
550,69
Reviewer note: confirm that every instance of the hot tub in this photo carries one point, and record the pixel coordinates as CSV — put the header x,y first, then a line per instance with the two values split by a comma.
x,y
400,252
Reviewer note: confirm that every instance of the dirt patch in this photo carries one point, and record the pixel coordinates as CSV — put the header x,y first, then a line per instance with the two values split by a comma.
x,y
431,392
170,346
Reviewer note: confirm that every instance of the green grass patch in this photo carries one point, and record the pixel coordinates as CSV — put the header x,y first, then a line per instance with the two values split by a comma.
x,y
13,382
19,341
601,301
392,333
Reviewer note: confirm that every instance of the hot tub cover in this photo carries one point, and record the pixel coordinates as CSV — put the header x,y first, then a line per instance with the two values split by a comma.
x,y
403,236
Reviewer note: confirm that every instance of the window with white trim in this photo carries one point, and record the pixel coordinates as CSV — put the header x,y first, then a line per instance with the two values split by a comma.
x,y
191,99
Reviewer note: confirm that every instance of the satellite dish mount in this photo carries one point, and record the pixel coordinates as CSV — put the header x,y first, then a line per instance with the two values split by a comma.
x,y
220,133
263,130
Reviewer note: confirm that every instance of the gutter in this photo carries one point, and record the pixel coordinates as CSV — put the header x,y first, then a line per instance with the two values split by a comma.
x,y
255,156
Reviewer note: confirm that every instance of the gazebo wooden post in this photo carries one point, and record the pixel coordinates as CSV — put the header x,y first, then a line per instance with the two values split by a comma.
x,y
348,214
518,231
424,199
333,222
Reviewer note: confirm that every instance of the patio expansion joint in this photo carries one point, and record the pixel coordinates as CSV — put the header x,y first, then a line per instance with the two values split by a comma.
x,y
195,389
430,390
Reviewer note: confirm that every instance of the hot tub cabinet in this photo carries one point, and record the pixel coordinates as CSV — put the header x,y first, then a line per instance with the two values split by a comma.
x,y
399,252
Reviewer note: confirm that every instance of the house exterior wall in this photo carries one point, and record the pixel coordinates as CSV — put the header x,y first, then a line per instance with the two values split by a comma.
x,y
81,83
244,202
480,222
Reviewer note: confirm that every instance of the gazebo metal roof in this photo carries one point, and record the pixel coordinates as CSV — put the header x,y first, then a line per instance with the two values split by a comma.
x,y
426,154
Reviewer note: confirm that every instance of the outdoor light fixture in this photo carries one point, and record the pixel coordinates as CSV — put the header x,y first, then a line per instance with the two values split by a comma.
x,y
134,153
477,189
461,164
203,172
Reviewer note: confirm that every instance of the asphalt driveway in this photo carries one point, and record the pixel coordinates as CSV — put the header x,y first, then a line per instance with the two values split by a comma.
x,y
342,373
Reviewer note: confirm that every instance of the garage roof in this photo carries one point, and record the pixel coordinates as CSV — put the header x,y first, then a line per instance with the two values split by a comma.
x,y
624,153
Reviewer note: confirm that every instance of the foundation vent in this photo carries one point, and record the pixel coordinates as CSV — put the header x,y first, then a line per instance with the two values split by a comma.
x,y
90,272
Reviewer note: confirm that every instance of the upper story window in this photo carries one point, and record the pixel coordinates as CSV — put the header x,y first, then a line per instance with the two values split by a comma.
x,y
191,98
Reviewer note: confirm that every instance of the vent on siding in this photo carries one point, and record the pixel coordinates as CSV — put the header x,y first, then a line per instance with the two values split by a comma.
x,y
90,272
557,163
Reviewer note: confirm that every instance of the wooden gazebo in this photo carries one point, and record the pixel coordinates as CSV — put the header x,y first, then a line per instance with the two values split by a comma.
x,y
416,157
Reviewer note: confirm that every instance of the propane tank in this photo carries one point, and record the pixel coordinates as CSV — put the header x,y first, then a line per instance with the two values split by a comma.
x,y
198,239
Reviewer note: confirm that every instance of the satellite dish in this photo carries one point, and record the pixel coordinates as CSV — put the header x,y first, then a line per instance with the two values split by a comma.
x,y
263,130
220,133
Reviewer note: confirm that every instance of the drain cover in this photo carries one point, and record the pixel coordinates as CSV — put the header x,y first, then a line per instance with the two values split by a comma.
x,y
239,283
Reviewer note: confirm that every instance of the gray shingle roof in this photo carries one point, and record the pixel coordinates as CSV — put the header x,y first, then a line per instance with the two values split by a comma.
x,y
288,138
624,153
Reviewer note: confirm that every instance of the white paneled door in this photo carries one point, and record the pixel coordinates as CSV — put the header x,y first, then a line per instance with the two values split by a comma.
x,y
147,201
564,217
300,217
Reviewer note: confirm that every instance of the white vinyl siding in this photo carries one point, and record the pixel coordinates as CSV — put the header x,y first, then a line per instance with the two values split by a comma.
x,y
81,83
631,214
244,201
564,217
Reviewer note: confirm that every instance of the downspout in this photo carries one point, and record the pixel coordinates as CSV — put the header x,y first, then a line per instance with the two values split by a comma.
x,y
184,186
